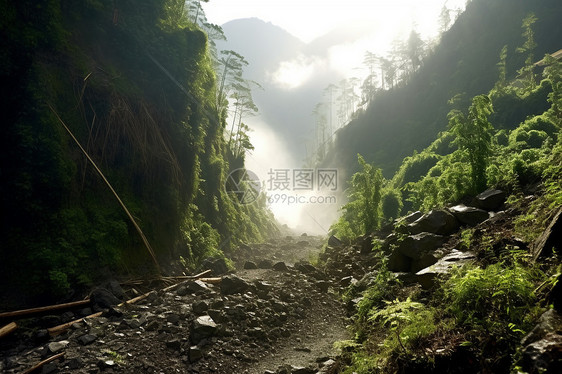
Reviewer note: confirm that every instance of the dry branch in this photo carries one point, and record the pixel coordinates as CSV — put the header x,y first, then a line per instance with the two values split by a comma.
x,y
49,308
9,328
44,362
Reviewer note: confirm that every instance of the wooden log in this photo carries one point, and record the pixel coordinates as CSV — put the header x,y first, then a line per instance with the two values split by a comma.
x,y
43,309
9,328
44,362
57,330
211,280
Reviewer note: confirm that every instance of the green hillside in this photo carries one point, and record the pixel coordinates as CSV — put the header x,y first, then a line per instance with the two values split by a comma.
x,y
409,116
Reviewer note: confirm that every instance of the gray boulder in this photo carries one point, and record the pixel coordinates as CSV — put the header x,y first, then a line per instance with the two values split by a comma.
x,y
427,277
469,215
542,352
489,200
203,327
231,284
439,222
416,252
102,299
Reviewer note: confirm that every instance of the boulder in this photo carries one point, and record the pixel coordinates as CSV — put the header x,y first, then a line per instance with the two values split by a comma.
x,y
115,288
469,215
217,266
231,284
549,238
542,352
102,299
192,287
439,222
334,242
543,356
489,200
549,322
427,277
280,266
416,252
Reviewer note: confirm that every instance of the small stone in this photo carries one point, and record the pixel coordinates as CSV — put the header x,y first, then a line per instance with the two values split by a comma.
x,y
200,307
87,339
56,347
152,326
49,368
250,265
196,286
173,318
75,363
174,344
195,353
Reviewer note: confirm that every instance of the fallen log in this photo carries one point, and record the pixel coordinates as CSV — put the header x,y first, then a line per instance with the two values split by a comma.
x,y
9,328
43,309
44,362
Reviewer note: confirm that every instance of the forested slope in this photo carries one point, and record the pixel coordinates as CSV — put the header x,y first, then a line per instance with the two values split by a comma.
x,y
135,85
409,116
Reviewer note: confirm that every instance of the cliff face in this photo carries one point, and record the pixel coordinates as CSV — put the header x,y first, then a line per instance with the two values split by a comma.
x,y
135,86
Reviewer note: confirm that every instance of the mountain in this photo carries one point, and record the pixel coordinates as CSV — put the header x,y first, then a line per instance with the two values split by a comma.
x,y
285,109
407,118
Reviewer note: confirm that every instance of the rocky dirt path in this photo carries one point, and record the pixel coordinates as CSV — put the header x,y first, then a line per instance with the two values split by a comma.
x,y
275,314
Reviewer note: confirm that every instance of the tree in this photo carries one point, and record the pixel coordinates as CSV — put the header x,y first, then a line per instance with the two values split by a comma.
x,y
502,69
473,135
232,69
363,209
414,50
444,19
553,72
526,73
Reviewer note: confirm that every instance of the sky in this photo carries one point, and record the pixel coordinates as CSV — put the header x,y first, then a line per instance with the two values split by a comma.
x,y
309,19
362,25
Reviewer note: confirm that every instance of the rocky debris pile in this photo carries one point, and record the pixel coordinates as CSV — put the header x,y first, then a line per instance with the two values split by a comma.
x,y
419,247
288,249
196,328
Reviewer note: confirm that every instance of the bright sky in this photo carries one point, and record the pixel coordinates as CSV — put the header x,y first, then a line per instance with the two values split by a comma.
x,y
309,19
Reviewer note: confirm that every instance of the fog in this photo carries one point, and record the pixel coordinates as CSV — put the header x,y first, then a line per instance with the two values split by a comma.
x,y
311,211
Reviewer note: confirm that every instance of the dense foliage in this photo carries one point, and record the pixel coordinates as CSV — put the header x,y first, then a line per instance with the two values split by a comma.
x,y
135,84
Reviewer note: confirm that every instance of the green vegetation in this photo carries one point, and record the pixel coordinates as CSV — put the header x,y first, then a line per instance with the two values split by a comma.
x,y
510,138
136,84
